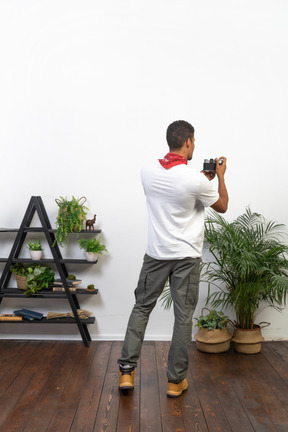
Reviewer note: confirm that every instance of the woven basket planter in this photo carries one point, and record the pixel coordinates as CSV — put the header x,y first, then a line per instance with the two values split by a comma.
x,y
248,341
21,282
213,341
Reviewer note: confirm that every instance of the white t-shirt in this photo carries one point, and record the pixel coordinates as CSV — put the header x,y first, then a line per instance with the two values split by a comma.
x,y
176,200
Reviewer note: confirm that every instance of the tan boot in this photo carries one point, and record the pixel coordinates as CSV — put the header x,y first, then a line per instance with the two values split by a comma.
x,y
126,379
175,390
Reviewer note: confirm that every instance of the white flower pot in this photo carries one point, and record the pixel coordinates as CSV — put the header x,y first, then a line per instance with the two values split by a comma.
x,y
36,255
90,256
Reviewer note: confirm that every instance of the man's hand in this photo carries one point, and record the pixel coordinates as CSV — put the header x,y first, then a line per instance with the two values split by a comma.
x,y
209,174
220,169
222,204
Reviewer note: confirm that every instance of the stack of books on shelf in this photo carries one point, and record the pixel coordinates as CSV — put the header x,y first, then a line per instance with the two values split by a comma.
x,y
28,314
72,284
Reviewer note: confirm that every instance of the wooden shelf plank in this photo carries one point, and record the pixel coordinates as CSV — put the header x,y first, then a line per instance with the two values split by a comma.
x,y
51,260
15,292
40,229
65,320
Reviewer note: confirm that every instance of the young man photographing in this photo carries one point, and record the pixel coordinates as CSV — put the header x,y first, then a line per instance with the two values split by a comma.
x,y
176,198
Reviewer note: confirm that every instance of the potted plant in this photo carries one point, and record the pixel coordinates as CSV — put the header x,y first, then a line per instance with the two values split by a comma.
x,y
38,277
90,288
35,249
213,335
20,272
92,247
249,268
32,278
71,216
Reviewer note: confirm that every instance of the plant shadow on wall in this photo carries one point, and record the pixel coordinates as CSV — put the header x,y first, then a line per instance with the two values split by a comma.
x,y
248,268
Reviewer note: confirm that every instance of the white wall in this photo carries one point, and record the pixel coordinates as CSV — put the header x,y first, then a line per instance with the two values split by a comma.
x,y
87,92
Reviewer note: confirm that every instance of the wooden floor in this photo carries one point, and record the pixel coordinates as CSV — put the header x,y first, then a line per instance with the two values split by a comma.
x,y
63,386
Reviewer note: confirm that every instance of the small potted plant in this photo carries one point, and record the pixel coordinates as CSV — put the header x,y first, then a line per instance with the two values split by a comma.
x,y
71,216
32,278
92,247
20,272
35,249
213,335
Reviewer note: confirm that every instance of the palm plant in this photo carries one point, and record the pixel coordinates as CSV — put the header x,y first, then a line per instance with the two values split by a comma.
x,y
249,265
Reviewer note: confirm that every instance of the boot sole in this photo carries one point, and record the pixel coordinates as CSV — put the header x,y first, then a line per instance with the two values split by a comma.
x,y
126,387
176,395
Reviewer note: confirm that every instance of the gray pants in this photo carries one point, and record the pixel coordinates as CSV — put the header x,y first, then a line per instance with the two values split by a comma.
x,y
183,276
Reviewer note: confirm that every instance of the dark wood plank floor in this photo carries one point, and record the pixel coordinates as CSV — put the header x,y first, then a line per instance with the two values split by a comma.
x,y
63,387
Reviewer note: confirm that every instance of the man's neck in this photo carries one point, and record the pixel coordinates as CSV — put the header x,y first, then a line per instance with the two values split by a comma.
x,y
180,152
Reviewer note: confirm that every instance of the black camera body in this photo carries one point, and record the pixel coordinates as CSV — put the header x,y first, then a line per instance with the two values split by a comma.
x,y
210,164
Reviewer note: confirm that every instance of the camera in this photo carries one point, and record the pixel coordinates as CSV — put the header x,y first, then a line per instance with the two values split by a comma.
x,y
210,164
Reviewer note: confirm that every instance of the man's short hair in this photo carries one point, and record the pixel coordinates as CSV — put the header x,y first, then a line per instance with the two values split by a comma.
x,y
177,133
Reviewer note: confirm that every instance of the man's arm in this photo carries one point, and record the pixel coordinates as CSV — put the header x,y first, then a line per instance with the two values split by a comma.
x,y
222,204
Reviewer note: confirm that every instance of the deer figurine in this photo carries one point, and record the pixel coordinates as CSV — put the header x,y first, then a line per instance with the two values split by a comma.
x,y
90,223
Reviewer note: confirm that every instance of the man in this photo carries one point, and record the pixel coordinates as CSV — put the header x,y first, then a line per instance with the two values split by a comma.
x,y
176,198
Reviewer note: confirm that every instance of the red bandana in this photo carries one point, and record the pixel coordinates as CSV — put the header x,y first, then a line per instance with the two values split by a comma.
x,y
172,159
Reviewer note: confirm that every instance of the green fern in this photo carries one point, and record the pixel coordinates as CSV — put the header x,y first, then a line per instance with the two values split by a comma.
x,y
71,216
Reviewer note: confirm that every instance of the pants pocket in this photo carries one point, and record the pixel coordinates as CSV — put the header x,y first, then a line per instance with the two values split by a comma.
x,y
193,285
140,289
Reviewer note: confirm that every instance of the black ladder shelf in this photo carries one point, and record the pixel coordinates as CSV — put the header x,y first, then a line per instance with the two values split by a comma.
x,y
36,205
